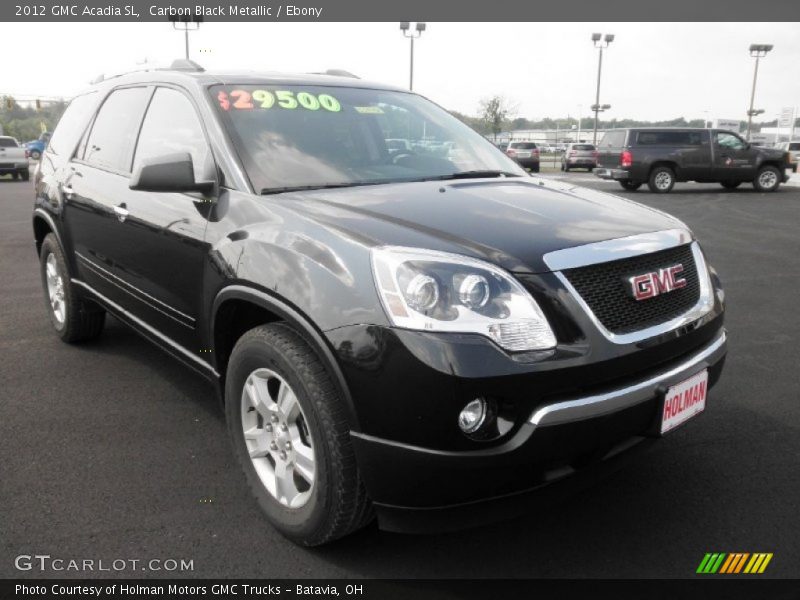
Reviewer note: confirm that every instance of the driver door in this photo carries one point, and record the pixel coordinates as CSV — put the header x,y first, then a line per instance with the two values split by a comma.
x,y
733,158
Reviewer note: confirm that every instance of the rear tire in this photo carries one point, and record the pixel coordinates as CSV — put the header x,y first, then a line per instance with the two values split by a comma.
x,y
629,185
768,179
74,318
730,185
662,180
333,501
25,175
535,168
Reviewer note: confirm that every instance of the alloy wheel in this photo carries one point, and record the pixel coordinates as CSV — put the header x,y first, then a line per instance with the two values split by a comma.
x,y
277,438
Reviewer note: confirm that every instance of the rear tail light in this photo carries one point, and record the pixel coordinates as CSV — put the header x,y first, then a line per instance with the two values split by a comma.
x,y
535,152
27,153
573,153
625,159
510,152
595,154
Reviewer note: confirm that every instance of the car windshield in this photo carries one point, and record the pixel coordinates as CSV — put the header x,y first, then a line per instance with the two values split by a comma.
x,y
582,147
305,136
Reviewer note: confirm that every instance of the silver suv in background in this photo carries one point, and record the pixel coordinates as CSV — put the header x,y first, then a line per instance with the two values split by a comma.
x,y
525,153
582,156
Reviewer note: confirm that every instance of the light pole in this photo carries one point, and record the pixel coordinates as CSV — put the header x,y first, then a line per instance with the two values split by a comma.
x,y
598,108
600,43
186,27
757,51
405,27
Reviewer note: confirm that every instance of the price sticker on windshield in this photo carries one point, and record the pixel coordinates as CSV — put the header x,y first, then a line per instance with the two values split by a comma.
x,y
265,99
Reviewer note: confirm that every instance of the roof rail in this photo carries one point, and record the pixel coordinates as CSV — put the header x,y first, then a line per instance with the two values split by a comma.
x,y
184,64
339,73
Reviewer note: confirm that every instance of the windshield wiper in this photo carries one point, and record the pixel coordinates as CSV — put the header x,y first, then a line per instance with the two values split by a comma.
x,y
304,188
477,174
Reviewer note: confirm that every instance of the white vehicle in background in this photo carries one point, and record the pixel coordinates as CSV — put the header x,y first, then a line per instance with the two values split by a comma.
x,y
793,148
13,159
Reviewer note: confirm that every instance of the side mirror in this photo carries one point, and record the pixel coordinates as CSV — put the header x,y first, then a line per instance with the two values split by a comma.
x,y
167,173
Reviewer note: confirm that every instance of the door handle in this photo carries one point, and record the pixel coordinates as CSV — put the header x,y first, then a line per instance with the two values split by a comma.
x,y
67,190
121,212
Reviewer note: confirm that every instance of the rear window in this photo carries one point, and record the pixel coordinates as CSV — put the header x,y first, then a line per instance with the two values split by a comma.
x,y
524,145
613,139
582,147
794,146
7,142
669,138
72,123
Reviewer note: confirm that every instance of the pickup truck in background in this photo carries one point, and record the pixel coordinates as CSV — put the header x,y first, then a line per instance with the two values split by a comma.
x,y
662,157
36,147
13,159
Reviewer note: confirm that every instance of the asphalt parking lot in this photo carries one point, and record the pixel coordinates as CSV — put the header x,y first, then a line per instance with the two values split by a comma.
x,y
113,450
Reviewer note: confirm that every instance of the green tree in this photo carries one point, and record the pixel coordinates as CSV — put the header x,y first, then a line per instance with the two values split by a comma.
x,y
495,112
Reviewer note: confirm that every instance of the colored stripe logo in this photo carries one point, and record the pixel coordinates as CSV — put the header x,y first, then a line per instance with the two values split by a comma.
x,y
734,563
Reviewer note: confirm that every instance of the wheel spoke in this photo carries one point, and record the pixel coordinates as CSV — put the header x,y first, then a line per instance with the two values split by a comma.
x,y
287,401
257,442
258,395
285,488
304,463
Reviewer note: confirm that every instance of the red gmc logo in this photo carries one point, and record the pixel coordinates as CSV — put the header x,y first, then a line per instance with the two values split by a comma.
x,y
655,283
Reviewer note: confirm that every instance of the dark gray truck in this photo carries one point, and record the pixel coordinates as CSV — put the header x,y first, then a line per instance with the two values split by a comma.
x,y
661,157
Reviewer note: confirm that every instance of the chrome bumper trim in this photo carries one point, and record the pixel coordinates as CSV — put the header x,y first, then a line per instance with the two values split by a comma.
x,y
613,401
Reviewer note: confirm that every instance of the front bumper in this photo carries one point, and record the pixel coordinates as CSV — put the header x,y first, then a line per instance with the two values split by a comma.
x,y
557,439
615,174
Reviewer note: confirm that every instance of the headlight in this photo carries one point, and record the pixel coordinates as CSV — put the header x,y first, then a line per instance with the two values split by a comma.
x,y
436,291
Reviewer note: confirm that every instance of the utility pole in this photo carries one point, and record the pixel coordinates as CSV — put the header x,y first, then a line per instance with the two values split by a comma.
x,y
757,51
186,26
600,43
405,27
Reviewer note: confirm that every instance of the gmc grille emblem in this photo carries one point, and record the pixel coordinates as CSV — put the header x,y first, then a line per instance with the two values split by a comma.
x,y
655,283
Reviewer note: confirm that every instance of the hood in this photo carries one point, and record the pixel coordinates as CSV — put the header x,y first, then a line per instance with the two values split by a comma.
x,y
512,223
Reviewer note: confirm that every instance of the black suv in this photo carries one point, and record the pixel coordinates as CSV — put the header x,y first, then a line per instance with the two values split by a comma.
x,y
660,157
392,333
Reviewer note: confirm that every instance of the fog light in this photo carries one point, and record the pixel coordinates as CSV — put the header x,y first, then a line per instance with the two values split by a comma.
x,y
472,415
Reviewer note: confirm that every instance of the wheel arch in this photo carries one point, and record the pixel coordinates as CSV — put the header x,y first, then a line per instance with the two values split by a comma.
x,y
664,163
270,309
42,225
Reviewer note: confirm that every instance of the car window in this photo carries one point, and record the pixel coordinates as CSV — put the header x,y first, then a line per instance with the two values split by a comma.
x,y
171,125
110,142
669,138
582,147
72,124
794,146
613,139
524,145
729,140
7,142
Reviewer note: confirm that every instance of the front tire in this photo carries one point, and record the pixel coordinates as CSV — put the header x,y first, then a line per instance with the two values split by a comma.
x,y
768,179
36,155
74,318
662,180
289,427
